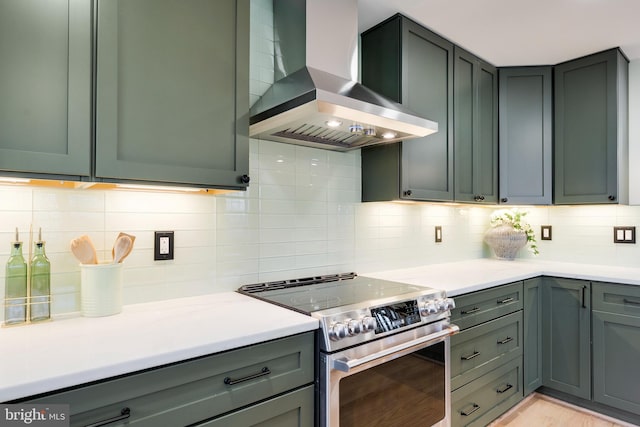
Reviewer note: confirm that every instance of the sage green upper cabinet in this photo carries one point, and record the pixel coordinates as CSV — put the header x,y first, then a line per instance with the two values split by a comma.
x,y
566,324
475,129
526,114
413,66
591,129
172,92
45,88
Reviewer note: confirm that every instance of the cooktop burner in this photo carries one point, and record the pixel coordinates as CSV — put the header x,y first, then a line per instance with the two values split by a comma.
x,y
314,294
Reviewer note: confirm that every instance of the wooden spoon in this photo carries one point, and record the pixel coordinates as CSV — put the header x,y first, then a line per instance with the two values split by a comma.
x,y
113,251
121,248
83,249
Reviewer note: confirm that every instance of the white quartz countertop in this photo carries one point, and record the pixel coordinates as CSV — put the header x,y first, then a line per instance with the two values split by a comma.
x,y
458,278
66,352
38,358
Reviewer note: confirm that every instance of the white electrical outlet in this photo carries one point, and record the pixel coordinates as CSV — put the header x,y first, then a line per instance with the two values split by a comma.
x,y
164,245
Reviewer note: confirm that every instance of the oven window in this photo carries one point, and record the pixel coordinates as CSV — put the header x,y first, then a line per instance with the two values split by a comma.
x,y
406,391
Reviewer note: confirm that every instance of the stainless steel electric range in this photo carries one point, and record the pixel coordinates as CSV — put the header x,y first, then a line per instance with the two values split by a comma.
x,y
383,347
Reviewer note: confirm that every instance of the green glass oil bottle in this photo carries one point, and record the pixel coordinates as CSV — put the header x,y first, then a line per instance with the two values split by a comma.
x,y
15,293
40,304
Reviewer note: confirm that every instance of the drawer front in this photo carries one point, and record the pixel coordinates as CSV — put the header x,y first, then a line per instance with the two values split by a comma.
x,y
615,298
293,409
478,307
478,350
484,399
198,389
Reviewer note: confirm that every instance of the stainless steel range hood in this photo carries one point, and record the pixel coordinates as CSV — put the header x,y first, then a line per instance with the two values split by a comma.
x,y
315,100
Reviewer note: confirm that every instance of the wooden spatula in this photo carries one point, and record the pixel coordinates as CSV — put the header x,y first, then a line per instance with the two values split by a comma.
x,y
84,251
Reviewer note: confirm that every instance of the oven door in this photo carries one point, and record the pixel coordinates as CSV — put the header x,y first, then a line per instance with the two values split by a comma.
x,y
400,380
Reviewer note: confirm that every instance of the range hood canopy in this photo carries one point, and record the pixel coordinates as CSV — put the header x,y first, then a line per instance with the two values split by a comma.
x,y
320,104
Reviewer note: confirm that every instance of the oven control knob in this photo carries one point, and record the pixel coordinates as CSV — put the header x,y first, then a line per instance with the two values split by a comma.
x,y
445,304
354,327
368,324
338,331
429,308
450,303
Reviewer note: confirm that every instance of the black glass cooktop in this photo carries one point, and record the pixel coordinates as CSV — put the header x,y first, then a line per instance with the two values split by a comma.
x,y
325,292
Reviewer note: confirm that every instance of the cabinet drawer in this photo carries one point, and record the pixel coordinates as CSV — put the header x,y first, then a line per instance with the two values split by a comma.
x,y
615,298
478,307
293,409
478,350
484,399
195,390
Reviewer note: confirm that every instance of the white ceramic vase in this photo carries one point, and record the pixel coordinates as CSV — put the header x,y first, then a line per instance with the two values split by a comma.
x,y
505,241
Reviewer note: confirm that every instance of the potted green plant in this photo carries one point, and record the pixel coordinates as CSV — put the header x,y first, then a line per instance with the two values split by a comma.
x,y
509,232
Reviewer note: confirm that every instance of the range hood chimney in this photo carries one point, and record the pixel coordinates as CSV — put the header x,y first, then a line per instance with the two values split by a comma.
x,y
316,100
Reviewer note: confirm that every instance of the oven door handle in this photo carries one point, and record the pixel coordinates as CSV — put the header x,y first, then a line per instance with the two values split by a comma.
x,y
345,365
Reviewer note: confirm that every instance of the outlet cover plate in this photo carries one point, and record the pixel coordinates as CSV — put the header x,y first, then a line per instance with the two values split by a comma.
x,y
624,234
438,233
545,232
163,246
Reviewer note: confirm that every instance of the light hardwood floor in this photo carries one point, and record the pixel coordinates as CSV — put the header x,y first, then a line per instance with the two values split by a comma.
x,y
544,411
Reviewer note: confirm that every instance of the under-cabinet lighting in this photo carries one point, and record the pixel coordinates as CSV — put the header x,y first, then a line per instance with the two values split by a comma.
x,y
11,180
156,188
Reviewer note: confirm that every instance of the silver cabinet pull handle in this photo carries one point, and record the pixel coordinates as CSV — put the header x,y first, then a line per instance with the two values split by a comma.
x,y
475,354
264,371
506,340
474,409
473,310
505,301
124,414
629,301
507,387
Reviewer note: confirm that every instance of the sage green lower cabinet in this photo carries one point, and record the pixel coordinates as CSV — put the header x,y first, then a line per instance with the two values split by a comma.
x,y
566,315
616,346
532,342
486,355
478,350
293,409
269,383
172,92
483,400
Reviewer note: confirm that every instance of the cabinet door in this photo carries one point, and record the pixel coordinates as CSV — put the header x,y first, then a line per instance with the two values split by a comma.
x,y
45,87
525,135
616,351
427,75
566,336
590,123
532,310
413,66
172,91
475,129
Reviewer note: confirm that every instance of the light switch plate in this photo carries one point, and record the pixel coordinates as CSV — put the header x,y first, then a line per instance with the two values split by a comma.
x,y
438,233
624,234
163,247
545,232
